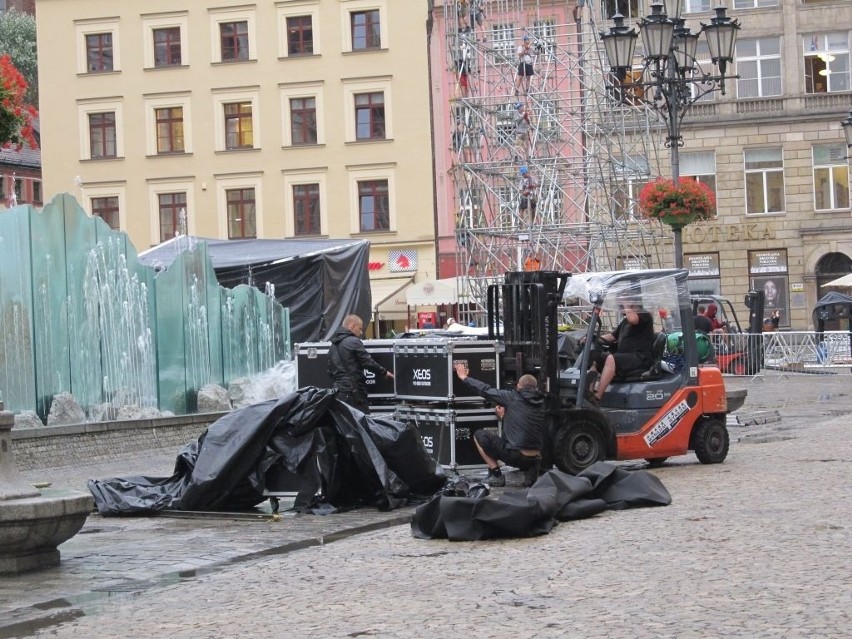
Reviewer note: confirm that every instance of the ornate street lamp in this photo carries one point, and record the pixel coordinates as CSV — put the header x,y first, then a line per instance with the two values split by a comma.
x,y
670,70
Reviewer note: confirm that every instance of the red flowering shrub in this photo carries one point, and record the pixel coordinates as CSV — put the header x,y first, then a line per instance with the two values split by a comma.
x,y
16,117
688,200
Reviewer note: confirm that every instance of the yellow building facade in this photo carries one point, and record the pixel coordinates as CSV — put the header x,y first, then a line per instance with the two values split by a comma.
x,y
296,118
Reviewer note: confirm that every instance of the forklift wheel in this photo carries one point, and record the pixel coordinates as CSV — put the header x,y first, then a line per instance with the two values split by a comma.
x,y
578,445
656,462
710,440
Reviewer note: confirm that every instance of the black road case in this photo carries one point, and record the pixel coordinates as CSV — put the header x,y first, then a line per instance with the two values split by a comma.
x,y
447,432
424,368
312,366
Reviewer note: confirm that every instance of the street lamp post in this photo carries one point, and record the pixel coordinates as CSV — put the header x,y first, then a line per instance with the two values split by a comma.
x,y
847,129
670,70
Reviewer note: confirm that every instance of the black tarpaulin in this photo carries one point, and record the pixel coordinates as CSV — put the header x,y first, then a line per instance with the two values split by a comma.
x,y
556,496
320,281
337,456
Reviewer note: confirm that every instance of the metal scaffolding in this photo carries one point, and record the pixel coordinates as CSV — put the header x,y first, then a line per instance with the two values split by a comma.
x,y
585,153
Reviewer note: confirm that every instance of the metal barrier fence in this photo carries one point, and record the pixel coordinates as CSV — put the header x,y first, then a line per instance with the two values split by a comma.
x,y
790,351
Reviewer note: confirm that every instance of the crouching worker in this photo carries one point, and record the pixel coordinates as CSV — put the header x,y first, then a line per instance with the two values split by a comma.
x,y
523,428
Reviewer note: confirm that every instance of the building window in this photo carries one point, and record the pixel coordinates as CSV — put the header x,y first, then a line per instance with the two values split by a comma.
x,y
366,30
241,213
370,116
300,35
700,167
172,208
374,205
303,120
234,40
764,176
826,62
759,67
238,126
544,37
831,177
504,124
628,8
632,174
169,122
36,191
99,55
19,190
697,6
503,42
167,50
306,209
754,4
106,208
102,135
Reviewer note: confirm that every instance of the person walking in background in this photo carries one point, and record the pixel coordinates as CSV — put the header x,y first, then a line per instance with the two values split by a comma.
x,y
523,427
347,360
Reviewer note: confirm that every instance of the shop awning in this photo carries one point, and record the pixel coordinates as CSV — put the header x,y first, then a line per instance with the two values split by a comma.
x,y
846,280
389,301
434,292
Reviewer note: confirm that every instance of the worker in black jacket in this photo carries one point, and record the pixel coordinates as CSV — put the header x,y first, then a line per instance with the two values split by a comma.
x,y
523,427
347,360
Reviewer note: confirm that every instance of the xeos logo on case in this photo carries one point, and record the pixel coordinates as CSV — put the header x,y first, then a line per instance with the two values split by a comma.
x,y
422,376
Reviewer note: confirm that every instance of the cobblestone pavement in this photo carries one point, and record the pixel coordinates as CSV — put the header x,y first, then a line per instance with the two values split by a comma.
x,y
759,546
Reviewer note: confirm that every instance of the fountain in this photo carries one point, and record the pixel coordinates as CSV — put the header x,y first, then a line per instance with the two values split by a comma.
x,y
33,523
80,315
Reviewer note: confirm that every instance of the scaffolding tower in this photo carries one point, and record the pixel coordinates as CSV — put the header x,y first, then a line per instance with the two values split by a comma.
x,y
585,153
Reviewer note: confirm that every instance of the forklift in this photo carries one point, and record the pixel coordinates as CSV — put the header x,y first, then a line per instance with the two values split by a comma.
x,y
737,352
651,415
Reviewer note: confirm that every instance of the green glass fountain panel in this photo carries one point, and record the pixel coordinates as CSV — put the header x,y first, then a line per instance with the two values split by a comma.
x,y
17,372
170,342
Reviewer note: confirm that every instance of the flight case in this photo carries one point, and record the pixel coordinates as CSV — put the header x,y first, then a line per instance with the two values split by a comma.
x,y
424,368
447,432
312,366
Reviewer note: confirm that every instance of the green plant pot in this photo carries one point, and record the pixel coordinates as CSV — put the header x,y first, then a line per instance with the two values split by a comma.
x,y
677,221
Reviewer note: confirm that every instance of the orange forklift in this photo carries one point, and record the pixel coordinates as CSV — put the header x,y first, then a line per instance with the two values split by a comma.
x,y
652,415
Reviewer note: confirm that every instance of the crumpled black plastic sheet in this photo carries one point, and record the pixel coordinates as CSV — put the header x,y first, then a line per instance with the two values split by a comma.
x,y
337,456
555,497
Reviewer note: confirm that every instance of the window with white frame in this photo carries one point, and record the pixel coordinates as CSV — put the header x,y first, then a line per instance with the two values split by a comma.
x,y
233,34
237,118
239,198
628,8
304,195
699,166
504,124
106,200
759,67
632,174
368,109
302,107
298,29
373,199
705,64
507,205
826,62
171,203
544,37
697,6
101,126
169,124
503,42
164,42
831,177
547,118
470,207
364,25
98,49
754,4
764,180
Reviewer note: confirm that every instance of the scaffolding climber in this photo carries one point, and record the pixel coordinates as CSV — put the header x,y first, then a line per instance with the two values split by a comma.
x,y
525,66
528,188
479,12
522,132
463,60
464,11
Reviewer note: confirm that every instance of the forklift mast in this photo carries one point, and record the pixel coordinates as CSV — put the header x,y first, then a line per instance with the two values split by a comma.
x,y
522,312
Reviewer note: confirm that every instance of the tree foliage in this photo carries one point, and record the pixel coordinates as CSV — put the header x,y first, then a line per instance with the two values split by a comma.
x,y
18,41
16,117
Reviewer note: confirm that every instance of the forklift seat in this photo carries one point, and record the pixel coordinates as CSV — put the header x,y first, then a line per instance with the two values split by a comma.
x,y
653,373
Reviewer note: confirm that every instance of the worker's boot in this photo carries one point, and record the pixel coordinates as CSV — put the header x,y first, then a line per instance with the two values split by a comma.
x,y
495,478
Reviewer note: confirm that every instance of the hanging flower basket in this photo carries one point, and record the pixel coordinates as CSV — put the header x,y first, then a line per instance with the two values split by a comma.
x,y
677,204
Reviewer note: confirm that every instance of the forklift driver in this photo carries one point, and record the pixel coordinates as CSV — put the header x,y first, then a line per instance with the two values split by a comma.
x,y
634,342
523,428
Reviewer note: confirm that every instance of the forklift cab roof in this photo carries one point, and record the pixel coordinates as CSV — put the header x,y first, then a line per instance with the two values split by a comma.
x,y
651,288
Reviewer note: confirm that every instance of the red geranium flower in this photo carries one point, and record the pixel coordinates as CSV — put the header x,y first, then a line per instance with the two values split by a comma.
x,y
687,199
16,117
